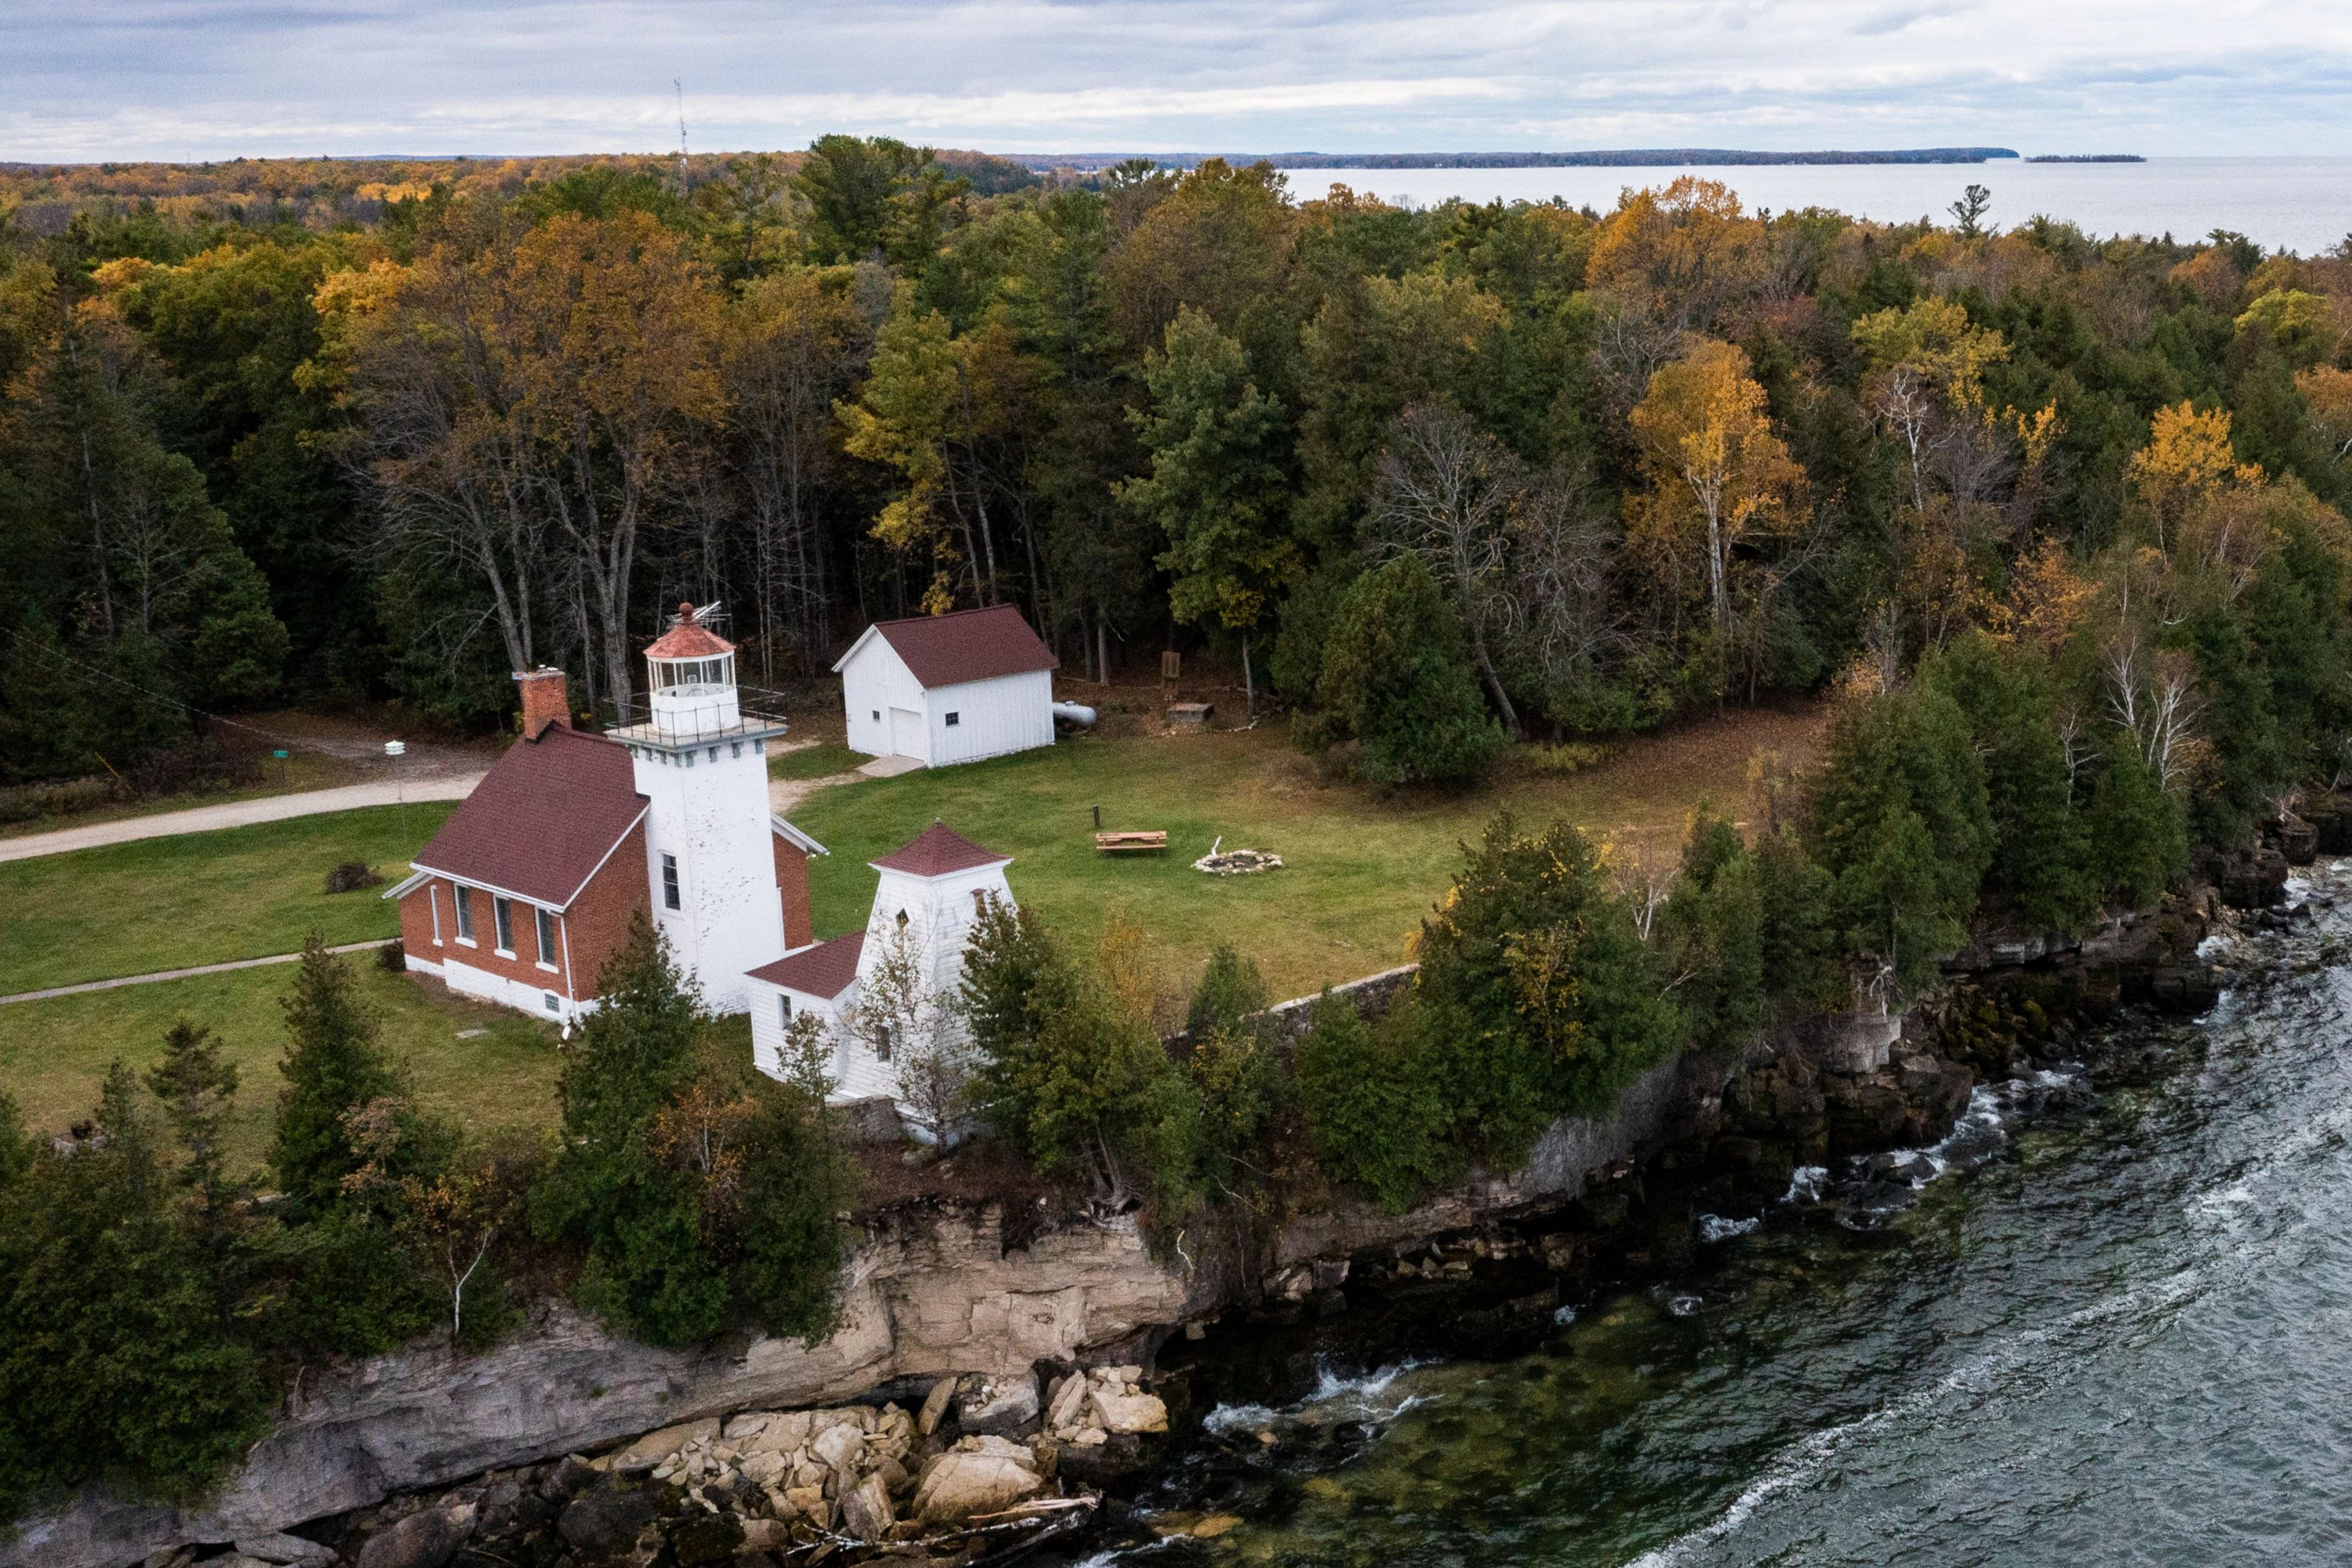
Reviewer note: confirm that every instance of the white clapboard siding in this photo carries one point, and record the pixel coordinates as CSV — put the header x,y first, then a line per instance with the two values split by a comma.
x,y
1006,714
994,716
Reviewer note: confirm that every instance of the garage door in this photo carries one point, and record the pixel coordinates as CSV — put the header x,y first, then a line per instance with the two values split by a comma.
x,y
906,733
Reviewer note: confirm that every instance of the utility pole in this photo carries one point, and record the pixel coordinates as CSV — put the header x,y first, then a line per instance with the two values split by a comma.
x,y
680,84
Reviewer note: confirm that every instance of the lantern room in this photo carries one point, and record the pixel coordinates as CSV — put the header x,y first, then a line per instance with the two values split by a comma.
x,y
690,675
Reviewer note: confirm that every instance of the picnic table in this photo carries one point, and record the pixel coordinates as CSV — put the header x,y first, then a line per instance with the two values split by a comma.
x,y
1144,842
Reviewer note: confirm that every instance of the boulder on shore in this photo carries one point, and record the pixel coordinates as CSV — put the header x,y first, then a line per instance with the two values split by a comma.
x,y
956,1486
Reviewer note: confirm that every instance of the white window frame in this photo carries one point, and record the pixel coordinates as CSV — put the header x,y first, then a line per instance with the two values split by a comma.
x,y
502,924
673,885
784,1009
465,907
543,929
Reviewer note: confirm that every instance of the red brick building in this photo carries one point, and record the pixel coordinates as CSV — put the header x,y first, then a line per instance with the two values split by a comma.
x,y
529,886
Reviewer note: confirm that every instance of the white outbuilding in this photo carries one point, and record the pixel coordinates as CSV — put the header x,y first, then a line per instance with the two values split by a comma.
x,y
882,994
949,688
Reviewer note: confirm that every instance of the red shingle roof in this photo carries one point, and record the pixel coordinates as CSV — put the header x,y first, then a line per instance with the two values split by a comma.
x,y
938,851
542,820
689,639
967,644
825,970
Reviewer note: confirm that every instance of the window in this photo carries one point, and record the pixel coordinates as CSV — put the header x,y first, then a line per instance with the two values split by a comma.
x,y
502,914
546,938
552,1005
979,902
785,1010
954,720
670,882
890,1038
878,715
902,920
462,898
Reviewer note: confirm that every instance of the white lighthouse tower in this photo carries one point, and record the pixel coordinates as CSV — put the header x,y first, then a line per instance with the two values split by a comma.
x,y
701,763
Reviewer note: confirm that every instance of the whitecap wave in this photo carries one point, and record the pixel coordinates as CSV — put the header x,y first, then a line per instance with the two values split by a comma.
x,y
1717,1227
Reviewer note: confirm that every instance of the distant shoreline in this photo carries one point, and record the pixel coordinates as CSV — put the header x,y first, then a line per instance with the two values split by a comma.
x,y
1624,158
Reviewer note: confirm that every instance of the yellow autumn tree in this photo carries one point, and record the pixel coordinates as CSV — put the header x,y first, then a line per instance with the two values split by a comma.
x,y
2187,462
1718,473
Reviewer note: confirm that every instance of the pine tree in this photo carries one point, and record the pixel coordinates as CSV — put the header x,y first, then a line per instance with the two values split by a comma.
x,y
196,1088
1398,680
333,1066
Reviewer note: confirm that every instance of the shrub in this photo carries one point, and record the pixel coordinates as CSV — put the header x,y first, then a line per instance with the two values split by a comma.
x,y
350,876
392,957
1230,989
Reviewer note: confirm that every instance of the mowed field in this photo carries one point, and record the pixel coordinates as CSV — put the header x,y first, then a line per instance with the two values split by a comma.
x,y
201,897
1360,869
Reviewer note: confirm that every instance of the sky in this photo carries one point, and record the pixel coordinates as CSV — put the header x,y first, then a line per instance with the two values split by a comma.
x,y
86,79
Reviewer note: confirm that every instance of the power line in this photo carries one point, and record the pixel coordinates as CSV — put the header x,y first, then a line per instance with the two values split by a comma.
x,y
287,741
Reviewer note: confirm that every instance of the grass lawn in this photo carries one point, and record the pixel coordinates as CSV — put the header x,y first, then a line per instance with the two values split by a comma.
x,y
200,898
821,760
53,1053
1359,870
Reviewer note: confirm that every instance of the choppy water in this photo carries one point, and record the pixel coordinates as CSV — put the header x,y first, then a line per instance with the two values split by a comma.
x,y
2298,203
2124,1337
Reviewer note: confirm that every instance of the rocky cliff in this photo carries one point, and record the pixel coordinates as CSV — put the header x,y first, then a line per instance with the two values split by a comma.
x,y
933,1288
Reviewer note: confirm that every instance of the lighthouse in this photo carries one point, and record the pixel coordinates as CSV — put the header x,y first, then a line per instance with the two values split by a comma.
x,y
701,763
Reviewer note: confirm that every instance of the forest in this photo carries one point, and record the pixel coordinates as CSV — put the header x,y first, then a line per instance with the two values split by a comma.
x,y
320,433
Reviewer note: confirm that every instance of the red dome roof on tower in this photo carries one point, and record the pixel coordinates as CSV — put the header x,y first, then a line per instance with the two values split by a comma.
x,y
689,639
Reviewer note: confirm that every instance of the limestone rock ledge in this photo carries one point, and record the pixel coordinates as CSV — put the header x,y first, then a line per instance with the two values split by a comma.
x,y
930,1289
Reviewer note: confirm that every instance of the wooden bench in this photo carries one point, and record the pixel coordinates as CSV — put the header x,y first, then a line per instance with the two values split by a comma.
x,y
1132,843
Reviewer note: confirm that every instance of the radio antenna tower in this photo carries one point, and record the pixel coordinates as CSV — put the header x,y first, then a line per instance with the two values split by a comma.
x,y
680,84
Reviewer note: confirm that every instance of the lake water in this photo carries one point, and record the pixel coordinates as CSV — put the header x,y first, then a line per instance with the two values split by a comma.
x,y
2303,204
2123,1338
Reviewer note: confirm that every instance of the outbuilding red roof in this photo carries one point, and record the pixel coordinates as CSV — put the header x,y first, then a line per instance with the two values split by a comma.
x,y
825,970
543,818
967,644
689,639
938,851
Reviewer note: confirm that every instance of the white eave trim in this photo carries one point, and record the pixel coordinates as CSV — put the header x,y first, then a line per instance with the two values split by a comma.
x,y
570,899
794,836
940,876
408,884
863,637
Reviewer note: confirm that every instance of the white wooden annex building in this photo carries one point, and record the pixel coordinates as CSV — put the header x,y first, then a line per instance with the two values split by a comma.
x,y
931,893
949,688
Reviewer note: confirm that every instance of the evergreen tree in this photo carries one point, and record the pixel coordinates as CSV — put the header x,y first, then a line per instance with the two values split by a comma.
x,y
640,1220
1231,990
1376,1102
1713,927
1904,830
1398,681
196,1087
1536,988
117,1361
333,1066
2040,864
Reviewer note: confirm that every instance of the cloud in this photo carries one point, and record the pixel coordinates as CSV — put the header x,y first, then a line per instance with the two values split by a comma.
x,y
217,77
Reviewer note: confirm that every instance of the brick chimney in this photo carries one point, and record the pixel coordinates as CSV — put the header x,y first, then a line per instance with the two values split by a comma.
x,y
546,700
